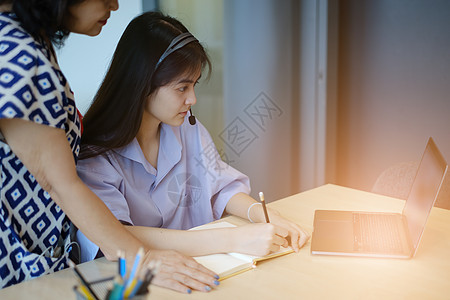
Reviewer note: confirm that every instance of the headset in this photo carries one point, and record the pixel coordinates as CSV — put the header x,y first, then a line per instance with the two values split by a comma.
x,y
177,43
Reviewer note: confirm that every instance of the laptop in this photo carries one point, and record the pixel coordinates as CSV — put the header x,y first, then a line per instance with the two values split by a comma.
x,y
377,234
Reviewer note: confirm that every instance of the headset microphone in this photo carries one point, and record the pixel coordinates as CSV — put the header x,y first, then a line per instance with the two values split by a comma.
x,y
191,118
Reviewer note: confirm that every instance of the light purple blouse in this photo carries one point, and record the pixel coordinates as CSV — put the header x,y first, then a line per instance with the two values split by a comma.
x,y
191,185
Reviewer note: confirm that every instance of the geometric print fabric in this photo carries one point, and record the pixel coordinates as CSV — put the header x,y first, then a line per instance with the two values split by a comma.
x,y
33,229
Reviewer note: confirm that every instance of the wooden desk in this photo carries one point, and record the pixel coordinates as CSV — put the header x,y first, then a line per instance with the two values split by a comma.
x,y
302,275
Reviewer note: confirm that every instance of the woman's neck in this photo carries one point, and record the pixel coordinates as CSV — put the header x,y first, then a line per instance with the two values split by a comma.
x,y
148,138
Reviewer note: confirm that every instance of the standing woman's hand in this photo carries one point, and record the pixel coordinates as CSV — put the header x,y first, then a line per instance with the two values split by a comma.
x,y
181,273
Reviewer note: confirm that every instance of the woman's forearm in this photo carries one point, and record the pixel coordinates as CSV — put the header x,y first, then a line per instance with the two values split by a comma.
x,y
254,239
192,242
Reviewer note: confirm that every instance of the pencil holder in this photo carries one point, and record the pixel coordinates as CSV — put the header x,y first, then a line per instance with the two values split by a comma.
x,y
102,289
122,286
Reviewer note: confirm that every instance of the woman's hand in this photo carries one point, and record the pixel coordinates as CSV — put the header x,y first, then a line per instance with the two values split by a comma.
x,y
259,239
242,205
296,234
181,273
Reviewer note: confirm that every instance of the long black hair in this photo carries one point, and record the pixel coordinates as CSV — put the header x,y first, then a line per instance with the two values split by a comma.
x,y
115,115
43,19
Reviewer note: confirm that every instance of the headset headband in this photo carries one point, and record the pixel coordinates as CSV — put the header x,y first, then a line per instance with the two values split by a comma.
x,y
177,43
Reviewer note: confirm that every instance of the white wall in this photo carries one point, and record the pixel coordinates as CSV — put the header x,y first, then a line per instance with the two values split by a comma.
x,y
84,60
260,66
394,85
194,14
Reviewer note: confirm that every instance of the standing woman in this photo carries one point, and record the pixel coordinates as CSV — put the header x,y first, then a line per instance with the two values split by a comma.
x,y
39,145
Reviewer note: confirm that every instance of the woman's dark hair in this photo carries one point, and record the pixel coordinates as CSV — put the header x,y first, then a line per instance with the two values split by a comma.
x,y
43,18
115,115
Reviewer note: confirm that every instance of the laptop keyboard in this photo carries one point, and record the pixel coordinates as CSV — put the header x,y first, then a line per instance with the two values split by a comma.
x,y
376,233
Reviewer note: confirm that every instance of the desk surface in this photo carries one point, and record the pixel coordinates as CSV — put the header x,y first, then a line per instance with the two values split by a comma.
x,y
302,275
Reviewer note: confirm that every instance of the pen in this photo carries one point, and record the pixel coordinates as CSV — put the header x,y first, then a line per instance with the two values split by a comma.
x,y
84,292
137,261
150,272
142,288
261,197
131,287
83,280
121,264
136,288
144,277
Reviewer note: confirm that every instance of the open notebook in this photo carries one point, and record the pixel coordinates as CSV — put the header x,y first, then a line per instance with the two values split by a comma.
x,y
230,264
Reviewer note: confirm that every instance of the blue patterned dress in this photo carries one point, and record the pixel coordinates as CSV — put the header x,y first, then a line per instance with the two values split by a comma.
x,y
34,231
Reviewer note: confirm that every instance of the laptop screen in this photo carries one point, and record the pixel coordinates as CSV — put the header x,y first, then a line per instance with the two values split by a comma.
x,y
424,191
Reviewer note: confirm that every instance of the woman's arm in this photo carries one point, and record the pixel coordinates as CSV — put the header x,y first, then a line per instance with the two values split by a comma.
x,y
254,239
45,152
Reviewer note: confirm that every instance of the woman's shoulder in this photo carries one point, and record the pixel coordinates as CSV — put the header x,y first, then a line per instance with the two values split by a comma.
x,y
102,163
11,31
18,46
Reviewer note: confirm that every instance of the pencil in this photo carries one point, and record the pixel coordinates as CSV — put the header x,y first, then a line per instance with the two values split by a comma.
x,y
83,280
121,264
84,292
135,269
116,293
261,197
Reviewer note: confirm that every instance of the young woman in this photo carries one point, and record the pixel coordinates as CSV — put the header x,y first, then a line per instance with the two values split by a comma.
x,y
39,145
158,173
